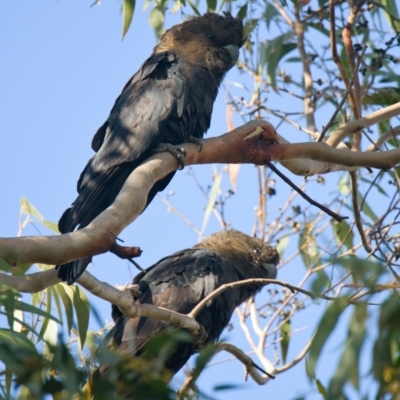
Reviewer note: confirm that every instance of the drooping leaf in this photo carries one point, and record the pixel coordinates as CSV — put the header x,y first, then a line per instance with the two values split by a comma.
x,y
67,295
226,386
285,335
392,8
270,14
34,310
194,7
382,97
211,5
50,339
128,8
29,209
321,282
233,169
308,247
156,20
366,208
282,244
321,389
56,297
276,49
325,328
347,370
242,13
343,233
46,320
82,310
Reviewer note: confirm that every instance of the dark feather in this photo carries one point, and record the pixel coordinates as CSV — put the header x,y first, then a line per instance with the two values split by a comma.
x,y
169,99
179,282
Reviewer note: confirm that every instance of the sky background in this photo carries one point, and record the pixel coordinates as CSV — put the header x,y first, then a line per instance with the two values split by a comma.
x,y
62,64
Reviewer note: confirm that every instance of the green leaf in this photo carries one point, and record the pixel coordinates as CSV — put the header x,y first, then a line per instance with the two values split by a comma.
x,y
321,388
8,377
379,188
34,310
382,97
211,201
343,233
320,28
177,6
276,49
308,248
347,369
8,302
5,267
227,386
270,13
194,8
67,295
28,208
285,335
205,355
46,320
156,20
56,298
50,339
364,272
282,244
242,13
50,225
18,316
325,327
366,208
344,185
211,5
82,310
249,26
321,282
392,8
128,7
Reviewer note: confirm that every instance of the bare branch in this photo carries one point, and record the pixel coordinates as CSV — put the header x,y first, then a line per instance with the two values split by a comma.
x,y
251,369
309,106
255,142
32,283
390,134
355,126
304,195
356,211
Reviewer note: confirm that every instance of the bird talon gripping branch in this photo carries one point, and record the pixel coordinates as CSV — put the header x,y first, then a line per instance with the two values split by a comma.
x,y
196,141
168,100
178,153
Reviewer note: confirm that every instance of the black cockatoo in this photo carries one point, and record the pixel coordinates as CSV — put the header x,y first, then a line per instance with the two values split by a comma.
x,y
180,281
169,100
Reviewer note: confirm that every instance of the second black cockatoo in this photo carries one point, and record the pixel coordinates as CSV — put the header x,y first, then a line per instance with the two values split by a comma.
x,y
180,281
169,100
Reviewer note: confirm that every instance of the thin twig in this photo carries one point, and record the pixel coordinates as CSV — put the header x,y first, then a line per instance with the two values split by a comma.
x,y
302,194
339,107
309,106
356,210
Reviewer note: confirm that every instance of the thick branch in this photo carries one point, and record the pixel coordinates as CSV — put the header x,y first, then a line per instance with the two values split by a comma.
x,y
255,142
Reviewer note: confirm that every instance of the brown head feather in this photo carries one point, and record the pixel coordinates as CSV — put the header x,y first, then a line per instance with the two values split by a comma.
x,y
243,252
203,41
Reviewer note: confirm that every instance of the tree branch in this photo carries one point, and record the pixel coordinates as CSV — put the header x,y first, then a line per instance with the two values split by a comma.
x,y
255,142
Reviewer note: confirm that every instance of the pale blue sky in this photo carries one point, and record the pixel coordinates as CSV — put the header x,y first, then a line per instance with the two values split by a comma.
x,y
62,64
